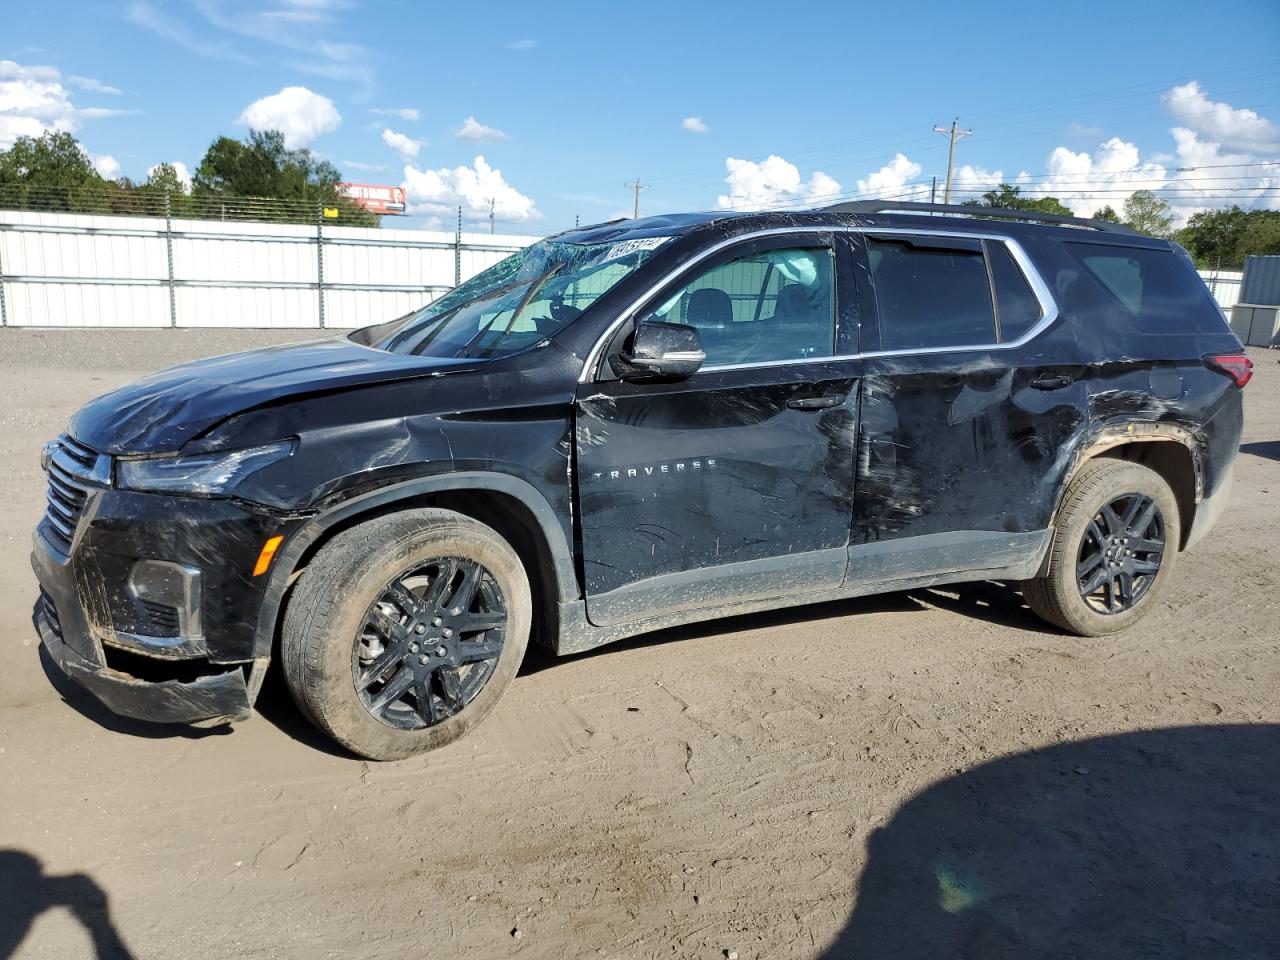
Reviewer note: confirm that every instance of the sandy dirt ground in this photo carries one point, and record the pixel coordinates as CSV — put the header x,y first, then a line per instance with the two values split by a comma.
x,y
931,773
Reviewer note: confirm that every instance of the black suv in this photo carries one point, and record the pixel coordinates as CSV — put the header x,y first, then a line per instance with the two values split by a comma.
x,y
635,425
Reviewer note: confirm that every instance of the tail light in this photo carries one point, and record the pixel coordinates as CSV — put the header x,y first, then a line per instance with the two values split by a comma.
x,y
1235,365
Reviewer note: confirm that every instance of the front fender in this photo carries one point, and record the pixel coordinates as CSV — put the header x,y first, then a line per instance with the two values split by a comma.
x,y
315,528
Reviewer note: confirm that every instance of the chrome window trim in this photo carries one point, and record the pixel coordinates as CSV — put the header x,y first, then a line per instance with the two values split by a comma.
x,y
1048,306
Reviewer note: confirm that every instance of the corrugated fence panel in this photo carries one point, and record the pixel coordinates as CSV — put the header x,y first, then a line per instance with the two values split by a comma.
x,y
247,307
224,273
85,305
344,309
1224,285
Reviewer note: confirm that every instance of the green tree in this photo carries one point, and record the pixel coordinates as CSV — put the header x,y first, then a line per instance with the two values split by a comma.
x,y
240,175
1212,237
1148,214
1009,197
1107,213
1261,236
51,172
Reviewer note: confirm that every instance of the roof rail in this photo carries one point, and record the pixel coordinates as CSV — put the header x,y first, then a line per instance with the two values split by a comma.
x,y
997,213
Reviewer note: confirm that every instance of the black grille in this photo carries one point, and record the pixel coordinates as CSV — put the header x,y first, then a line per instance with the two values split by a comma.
x,y
74,469
164,618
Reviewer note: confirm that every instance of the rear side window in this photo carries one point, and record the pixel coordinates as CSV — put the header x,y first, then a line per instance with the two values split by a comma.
x,y
1158,290
931,296
1019,308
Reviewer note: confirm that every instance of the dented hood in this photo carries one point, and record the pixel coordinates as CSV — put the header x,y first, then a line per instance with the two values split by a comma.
x,y
161,412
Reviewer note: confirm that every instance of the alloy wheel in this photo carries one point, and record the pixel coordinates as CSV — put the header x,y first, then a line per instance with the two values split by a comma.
x,y
1120,554
429,643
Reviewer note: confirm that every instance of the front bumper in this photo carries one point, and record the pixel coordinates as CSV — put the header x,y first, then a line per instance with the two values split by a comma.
x,y
224,694
150,601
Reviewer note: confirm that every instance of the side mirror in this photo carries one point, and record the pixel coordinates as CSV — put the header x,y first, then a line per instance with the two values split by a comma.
x,y
662,350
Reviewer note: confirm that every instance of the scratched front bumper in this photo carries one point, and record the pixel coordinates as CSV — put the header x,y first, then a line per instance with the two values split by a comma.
x,y
92,618
66,635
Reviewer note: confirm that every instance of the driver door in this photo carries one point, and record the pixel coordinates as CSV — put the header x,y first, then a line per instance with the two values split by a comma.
x,y
734,484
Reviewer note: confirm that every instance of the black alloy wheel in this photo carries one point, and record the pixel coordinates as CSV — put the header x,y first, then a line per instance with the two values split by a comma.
x,y
1120,553
429,643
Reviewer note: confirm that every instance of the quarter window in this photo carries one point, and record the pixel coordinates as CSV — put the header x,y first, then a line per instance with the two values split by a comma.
x,y
931,296
1019,308
770,306
1158,289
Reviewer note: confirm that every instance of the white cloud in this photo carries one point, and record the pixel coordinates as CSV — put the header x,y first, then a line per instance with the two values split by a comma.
x,y
33,100
770,183
438,193
1221,155
179,168
92,85
524,43
1220,122
475,131
406,146
108,167
404,113
1087,182
694,125
890,181
296,112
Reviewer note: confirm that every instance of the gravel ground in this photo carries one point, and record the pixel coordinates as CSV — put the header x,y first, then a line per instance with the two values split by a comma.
x,y
931,773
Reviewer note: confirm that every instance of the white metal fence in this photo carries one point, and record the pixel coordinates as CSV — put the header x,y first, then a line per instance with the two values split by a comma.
x,y
77,270
1224,285
74,270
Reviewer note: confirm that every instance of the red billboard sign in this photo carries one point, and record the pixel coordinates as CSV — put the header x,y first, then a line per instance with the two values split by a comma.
x,y
376,198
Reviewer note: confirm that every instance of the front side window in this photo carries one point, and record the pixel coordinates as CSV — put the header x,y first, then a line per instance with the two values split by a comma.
x,y
515,303
774,305
931,296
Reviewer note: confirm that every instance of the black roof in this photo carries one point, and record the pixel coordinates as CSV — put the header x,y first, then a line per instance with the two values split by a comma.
x,y
872,213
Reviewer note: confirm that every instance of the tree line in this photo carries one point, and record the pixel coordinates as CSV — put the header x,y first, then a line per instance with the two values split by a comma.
x,y
257,178
1216,239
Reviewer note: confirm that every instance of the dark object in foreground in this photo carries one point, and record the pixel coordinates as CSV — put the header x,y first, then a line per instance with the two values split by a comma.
x,y
1162,843
632,426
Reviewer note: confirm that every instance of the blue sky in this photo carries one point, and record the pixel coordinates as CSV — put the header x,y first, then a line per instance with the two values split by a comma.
x,y
568,100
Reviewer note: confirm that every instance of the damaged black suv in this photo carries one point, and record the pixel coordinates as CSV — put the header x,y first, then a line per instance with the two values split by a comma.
x,y
635,425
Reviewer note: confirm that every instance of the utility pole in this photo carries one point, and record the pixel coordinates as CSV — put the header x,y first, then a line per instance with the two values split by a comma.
x,y
933,191
954,134
637,187
492,207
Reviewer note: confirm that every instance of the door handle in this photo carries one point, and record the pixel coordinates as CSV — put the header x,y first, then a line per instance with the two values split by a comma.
x,y
1052,381
815,403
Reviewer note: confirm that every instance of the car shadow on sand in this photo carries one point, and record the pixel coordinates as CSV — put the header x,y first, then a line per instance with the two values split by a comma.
x,y
1267,449
87,705
998,603
1160,844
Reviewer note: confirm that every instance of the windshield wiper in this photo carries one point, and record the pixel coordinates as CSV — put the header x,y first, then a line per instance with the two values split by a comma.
x,y
534,288
536,285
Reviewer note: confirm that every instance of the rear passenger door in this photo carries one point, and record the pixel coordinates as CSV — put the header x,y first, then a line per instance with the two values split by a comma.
x,y
960,422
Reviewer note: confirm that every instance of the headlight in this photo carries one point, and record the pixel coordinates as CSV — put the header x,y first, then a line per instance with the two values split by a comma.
x,y
203,473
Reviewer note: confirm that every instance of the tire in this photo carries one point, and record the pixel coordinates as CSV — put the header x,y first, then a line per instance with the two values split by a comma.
x,y
348,615
1059,597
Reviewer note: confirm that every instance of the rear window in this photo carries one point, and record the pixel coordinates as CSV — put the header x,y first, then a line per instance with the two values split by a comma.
x,y
1157,289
